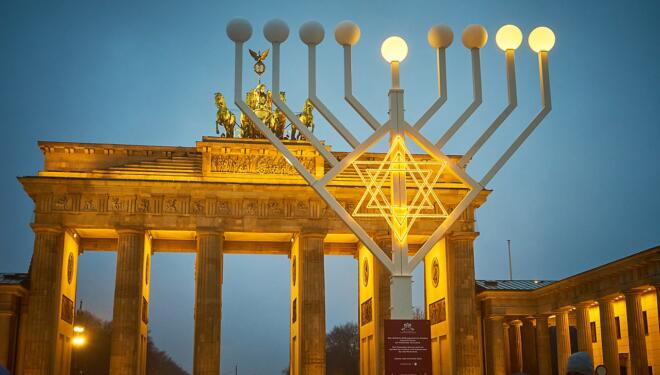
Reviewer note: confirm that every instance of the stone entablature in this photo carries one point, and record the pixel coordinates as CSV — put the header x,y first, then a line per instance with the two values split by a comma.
x,y
239,185
639,271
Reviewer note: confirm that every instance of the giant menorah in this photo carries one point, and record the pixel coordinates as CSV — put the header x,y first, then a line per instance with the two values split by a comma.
x,y
399,169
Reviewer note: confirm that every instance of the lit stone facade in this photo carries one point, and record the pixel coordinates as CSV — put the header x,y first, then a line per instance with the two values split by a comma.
x,y
237,196
610,312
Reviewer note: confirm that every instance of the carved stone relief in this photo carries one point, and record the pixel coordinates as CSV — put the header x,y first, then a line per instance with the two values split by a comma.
x,y
256,164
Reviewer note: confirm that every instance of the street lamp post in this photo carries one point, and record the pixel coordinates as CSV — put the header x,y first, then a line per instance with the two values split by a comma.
x,y
398,210
79,339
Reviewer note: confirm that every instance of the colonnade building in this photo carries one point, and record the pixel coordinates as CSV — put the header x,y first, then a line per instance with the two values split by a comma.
x,y
239,196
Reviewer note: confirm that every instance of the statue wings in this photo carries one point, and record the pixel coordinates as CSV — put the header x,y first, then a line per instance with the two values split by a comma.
x,y
259,56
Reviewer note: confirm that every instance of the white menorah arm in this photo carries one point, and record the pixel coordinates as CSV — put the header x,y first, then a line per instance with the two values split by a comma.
x,y
265,130
474,186
318,104
476,101
300,168
327,155
355,154
512,104
348,92
441,63
546,103
442,230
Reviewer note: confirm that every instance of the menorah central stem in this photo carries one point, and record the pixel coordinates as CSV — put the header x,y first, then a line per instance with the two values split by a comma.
x,y
401,283
394,65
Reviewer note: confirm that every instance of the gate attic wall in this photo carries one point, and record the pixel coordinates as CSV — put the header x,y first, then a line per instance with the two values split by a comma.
x,y
242,187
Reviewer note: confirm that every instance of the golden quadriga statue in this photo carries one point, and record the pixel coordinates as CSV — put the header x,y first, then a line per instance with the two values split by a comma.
x,y
260,100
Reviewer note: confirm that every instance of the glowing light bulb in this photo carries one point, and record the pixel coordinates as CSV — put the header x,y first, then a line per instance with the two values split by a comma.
x,y
541,39
394,48
78,340
508,37
78,329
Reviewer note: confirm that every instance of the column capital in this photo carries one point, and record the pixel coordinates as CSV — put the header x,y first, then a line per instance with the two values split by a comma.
x,y
496,317
209,231
563,309
634,292
457,236
313,231
40,228
515,323
584,304
608,298
129,230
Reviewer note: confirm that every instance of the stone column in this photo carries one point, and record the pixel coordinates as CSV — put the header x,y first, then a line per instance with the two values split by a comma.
x,y
543,354
462,306
608,336
584,328
208,302
636,338
127,354
311,302
530,365
563,340
383,301
507,347
496,363
657,301
44,296
515,342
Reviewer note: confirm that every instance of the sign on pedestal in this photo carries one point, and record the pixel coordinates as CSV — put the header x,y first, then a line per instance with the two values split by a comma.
x,y
407,347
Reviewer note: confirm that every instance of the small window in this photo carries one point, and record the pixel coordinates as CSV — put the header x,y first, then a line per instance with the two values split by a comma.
x,y
617,322
646,323
594,336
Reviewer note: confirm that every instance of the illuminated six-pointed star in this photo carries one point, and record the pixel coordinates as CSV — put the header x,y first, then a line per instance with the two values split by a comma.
x,y
421,177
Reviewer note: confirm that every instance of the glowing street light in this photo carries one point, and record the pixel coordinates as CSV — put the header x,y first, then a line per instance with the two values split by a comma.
x,y
79,341
399,166
79,338
508,37
541,39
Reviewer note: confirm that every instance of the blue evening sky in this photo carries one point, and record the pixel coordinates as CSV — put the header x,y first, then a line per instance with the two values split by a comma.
x,y
581,192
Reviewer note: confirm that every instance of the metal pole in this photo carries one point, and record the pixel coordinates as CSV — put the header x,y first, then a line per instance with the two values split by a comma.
x,y
401,284
510,266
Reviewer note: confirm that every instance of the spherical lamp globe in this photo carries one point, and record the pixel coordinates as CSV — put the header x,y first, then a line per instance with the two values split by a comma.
x,y
276,31
440,36
508,37
347,33
474,36
541,39
394,48
239,30
311,33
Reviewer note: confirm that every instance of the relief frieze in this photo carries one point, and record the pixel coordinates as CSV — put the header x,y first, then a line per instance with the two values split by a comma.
x,y
257,164
181,205
197,207
89,204
223,208
62,203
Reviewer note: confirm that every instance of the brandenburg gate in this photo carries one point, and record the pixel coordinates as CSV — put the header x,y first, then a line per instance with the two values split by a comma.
x,y
224,196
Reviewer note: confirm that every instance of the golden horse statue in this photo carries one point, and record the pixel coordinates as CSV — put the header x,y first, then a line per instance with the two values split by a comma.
x,y
277,120
224,116
306,117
